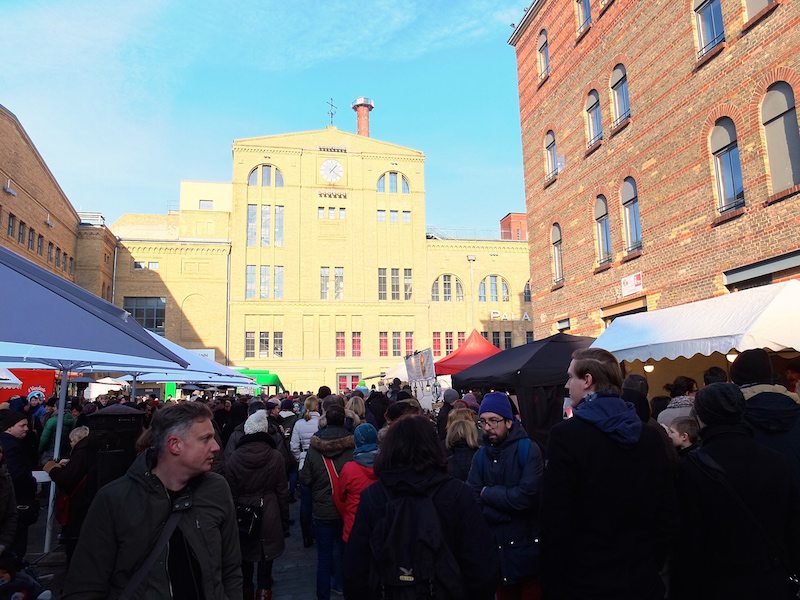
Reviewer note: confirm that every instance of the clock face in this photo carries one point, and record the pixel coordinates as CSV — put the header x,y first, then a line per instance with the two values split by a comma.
x,y
331,170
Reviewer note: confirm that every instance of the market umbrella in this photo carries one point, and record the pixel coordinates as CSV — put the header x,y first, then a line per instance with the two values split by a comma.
x,y
83,380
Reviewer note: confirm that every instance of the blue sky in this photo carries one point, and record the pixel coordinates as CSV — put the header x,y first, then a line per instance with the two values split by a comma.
x,y
124,100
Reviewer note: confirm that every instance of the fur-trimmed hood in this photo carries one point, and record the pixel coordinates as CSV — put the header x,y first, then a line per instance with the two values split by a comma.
x,y
332,441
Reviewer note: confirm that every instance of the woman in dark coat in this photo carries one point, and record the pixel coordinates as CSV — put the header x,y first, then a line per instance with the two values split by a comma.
x,y
411,463
255,472
462,443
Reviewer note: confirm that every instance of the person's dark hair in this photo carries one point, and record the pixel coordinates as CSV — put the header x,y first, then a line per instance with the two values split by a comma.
x,y
324,392
720,404
687,426
681,386
411,442
602,366
636,382
334,415
657,405
715,375
176,420
254,406
752,366
400,408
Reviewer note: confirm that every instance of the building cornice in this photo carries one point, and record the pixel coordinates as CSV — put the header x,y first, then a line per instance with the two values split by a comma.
x,y
530,13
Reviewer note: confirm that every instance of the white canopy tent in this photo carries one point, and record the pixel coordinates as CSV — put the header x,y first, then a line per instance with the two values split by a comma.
x,y
762,317
8,380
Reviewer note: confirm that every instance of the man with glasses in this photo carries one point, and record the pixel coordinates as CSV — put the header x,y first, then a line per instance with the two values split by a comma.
x,y
505,476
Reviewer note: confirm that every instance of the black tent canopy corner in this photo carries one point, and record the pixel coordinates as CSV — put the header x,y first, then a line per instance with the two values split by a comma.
x,y
536,371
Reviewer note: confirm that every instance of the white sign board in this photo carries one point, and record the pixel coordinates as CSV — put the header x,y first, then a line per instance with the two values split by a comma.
x,y
632,284
209,353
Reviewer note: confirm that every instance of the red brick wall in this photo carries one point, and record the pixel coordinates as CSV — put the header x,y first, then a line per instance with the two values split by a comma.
x,y
674,104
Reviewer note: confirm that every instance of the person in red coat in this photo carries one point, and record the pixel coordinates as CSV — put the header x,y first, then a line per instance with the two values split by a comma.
x,y
357,475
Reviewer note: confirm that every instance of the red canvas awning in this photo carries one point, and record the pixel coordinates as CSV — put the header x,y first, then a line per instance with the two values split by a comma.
x,y
474,349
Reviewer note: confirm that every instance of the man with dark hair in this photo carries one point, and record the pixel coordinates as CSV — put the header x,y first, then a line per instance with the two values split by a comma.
x,y
714,375
169,505
608,495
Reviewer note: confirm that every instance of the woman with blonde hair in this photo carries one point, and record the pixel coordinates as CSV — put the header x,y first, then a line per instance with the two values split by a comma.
x,y
462,443
461,414
302,432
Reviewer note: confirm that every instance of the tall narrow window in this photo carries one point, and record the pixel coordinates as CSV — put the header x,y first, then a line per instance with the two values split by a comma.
x,y
406,216
355,344
526,292
447,287
710,29
393,182
338,283
550,157
496,338
593,118
324,281
528,337
395,284
558,266
382,183
448,342
504,288
482,291
727,168
493,288
23,229
250,282
409,343
31,238
252,177
266,211
40,245
339,344
381,216
12,225
278,226
543,57
249,344
633,226
381,284
603,229
435,291
263,344
277,344
459,291
332,213
779,117
461,338
393,216
584,15
404,188
383,343
342,214
320,212
506,340
58,257
437,343
264,282
252,217
278,291
266,176
396,343
619,90
408,284
49,251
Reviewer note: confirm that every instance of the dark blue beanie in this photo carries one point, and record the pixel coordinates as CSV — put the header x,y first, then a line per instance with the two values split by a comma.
x,y
366,438
498,403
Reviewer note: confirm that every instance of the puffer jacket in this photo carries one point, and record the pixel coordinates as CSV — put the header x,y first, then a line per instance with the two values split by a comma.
x,y
301,436
337,444
356,476
255,471
124,522
459,460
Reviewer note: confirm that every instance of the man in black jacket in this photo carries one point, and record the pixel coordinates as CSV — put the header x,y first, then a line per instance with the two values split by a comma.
x,y
608,508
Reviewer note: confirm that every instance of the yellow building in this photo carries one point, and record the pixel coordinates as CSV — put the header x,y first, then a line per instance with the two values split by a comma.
x,y
314,263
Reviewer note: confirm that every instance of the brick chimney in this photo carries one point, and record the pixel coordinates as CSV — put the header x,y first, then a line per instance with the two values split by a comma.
x,y
363,106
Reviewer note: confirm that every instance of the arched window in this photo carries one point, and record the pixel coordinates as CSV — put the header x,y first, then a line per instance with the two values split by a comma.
x,y
447,288
710,29
526,293
550,157
633,226
494,289
543,59
266,175
603,230
558,264
727,167
779,118
619,91
593,118
392,178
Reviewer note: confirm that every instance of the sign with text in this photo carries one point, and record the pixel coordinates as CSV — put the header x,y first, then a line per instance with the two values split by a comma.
x,y
209,353
632,284
420,365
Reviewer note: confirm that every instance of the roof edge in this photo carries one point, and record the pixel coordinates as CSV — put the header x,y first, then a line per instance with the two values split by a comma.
x,y
530,13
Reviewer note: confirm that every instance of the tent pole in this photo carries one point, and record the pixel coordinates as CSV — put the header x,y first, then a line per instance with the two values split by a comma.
x,y
62,403
133,388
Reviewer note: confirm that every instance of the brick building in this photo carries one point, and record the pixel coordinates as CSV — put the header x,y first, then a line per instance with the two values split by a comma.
x,y
661,153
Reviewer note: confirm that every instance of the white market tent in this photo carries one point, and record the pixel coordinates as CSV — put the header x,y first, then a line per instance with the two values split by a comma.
x,y
9,380
762,317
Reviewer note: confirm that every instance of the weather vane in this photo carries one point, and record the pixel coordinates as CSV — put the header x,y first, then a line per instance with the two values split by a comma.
x,y
331,109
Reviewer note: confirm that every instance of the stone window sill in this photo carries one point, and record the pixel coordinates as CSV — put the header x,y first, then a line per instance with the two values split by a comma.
x,y
759,16
542,80
622,125
550,181
602,268
583,33
709,56
782,195
604,6
592,148
728,216
632,255
557,286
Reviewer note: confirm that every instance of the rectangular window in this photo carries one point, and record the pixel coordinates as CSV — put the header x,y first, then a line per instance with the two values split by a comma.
x,y
406,216
730,186
31,238
461,338
395,284
710,28
324,280
339,344
528,337
71,265
604,240
58,257
585,15
342,214
395,343
407,284
40,245
355,344
383,343
278,291
381,216
50,252
12,225
448,342
263,344
506,340
409,342
249,344
393,182
320,212
148,312
437,343
485,335
266,176
392,216
595,124
381,284
252,216
206,205
64,262
266,213
250,282
278,226
493,288
138,265
22,231
338,283
277,344
447,288
622,105
331,213
496,338
152,265
264,282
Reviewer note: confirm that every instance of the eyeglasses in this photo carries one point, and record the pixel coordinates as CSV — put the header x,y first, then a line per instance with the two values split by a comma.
x,y
493,422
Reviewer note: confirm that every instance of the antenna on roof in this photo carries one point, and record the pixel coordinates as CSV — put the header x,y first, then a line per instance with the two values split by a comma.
x,y
331,109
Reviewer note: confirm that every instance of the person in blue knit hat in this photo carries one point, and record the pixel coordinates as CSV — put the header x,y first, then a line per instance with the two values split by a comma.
x,y
506,476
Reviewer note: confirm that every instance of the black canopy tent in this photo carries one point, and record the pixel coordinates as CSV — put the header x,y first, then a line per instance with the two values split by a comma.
x,y
536,372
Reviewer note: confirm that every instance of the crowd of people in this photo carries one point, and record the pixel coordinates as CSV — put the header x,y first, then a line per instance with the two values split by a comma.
x,y
693,495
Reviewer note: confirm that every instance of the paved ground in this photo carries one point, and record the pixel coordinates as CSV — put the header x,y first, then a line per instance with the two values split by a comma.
x,y
294,572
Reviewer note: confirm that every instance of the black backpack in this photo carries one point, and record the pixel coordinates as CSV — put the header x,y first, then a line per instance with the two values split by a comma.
x,y
411,557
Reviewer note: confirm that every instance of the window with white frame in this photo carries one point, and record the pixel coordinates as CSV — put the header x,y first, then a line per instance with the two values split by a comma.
x,y
558,259
619,92
603,229
550,157
779,118
594,120
543,56
727,167
630,204
710,28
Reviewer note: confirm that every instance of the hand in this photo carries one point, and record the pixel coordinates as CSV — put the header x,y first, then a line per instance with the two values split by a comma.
x,y
63,462
49,466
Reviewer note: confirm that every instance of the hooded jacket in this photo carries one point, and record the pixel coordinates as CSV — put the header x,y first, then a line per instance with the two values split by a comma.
x,y
124,522
466,533
608,505
774,415
337,444
356,476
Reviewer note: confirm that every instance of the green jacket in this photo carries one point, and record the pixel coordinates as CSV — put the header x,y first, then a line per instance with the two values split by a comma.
x,y
337,444
124,522
48,439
